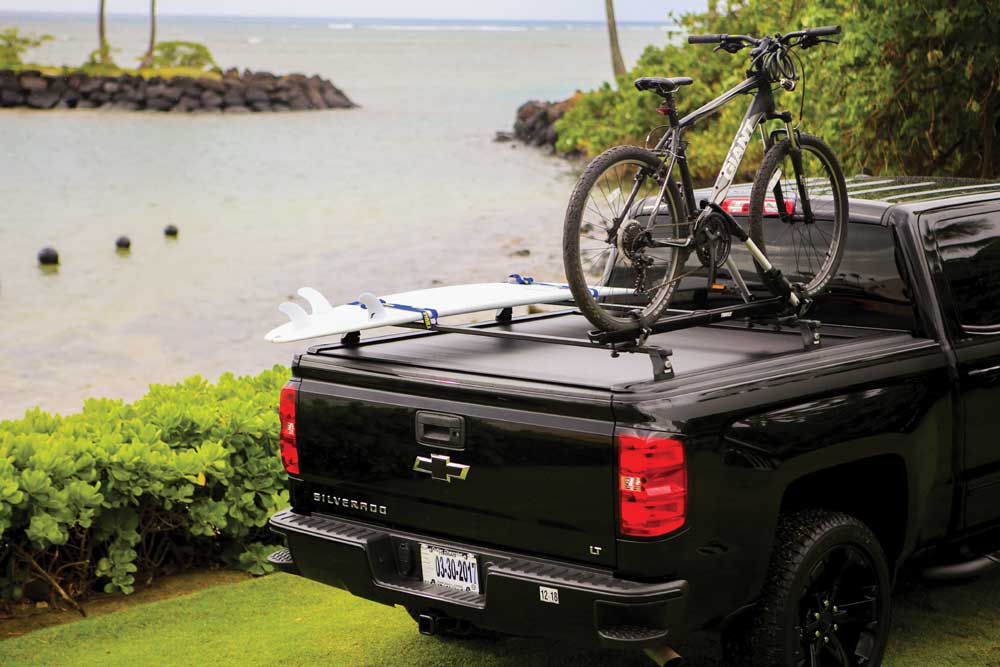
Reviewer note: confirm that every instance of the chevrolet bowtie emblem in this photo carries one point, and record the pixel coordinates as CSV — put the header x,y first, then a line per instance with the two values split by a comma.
x,y
440,467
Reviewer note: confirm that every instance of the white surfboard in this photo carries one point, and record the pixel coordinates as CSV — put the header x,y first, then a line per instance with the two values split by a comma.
x,y
425,306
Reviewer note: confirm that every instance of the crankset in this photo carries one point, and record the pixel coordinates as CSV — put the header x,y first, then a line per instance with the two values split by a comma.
x,y
712,243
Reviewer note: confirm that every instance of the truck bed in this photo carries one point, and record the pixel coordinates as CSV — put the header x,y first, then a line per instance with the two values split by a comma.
x,y
695,350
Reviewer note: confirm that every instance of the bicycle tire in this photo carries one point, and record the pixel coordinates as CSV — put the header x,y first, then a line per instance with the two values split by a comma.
x,y
838,214
572,230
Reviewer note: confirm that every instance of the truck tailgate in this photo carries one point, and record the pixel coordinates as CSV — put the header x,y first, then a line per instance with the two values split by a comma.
x,y
539,474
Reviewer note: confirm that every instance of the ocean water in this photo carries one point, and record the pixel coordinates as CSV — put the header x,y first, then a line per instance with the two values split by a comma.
x,y
407,191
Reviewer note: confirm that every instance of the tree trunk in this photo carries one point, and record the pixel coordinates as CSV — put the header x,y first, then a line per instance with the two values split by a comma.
x,y
617,64
147,60
104,51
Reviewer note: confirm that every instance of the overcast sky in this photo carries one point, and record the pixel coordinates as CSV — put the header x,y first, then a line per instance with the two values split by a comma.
x,y
570,10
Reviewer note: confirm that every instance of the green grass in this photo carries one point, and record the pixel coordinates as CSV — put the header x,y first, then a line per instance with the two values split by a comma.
x,y
285,620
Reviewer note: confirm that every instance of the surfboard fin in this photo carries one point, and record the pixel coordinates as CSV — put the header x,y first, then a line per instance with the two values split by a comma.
x,y
375,308
295,313
317,301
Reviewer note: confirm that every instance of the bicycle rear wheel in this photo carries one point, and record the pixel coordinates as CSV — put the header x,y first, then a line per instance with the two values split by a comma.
x,y
608,235
798,215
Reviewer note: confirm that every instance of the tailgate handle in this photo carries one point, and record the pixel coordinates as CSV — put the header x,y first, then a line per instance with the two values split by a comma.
x,y
437,430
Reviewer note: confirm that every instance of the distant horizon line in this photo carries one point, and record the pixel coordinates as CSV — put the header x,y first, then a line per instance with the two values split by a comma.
x,y
111,16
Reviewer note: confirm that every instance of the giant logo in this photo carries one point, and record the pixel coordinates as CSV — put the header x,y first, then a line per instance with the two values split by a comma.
x,y
737,150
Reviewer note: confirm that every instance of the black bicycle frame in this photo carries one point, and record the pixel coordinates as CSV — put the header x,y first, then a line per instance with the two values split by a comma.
x,y
761,109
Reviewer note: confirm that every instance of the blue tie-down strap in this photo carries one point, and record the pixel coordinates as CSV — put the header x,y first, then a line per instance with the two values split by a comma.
x,y
521,280
429,315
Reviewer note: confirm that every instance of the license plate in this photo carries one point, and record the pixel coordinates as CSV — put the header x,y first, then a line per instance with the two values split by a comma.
x,y
453,569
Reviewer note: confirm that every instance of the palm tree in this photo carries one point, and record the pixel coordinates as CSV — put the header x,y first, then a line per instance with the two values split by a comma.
x,y
147,60
617,64
103,49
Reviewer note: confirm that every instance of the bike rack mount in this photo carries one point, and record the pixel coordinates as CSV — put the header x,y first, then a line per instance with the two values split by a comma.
x,y
633,341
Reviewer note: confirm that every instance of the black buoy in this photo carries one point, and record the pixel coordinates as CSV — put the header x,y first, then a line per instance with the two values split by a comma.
x,y
48,256
171,231
123,243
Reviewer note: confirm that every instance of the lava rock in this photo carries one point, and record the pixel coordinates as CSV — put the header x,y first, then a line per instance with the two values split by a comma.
x,y
535,121
10,98
210,99
256,94
33,83
42,99
159,104
298,102
237,109
233,98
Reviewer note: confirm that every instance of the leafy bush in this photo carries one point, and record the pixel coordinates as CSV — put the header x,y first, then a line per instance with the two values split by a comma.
x,y
189,474
183,54
13,46
913,87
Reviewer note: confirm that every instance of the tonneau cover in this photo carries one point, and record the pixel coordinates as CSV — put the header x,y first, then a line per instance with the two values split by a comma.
x,y
694,350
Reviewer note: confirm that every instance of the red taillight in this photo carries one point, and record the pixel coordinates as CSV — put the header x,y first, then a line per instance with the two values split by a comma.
x,y
286,410
652,483
741,206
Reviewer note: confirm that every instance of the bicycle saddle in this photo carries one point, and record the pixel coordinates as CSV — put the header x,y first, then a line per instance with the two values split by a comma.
x,y
663,85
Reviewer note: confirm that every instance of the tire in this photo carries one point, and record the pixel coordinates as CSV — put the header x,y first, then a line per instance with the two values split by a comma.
x,y
809,545
579,222
829,199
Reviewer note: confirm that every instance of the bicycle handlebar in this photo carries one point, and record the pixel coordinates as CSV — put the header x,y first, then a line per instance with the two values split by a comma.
x,y
808,33
825,30
720,39
705,39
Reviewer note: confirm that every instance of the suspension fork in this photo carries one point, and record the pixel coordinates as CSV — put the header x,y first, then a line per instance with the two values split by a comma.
x,y
795,153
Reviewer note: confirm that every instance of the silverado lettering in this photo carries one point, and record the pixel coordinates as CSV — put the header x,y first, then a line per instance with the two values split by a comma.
x,y
349,503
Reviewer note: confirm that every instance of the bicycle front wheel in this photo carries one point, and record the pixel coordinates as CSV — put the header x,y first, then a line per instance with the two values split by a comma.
x,y
610,236
798,212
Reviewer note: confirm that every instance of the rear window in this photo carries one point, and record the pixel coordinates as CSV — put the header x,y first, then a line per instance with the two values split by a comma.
x,y
969,248
867,291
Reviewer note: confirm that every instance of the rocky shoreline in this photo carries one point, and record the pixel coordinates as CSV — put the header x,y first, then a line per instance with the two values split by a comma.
x,y
535,122
234,92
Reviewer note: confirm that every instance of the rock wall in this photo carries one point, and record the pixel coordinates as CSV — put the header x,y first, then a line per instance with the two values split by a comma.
x,y
535,123
233,93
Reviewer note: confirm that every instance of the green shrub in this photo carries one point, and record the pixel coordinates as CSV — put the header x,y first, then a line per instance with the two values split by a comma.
x,y
187,475
13,46
913,87
183,54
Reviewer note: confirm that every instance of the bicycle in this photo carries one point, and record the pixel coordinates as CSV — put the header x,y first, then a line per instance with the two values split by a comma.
x,y
653,229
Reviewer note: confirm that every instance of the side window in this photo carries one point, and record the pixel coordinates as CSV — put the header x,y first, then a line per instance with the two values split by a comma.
x,y
969,248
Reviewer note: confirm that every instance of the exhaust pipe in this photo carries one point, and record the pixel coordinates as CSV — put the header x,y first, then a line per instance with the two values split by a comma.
x,y
664,656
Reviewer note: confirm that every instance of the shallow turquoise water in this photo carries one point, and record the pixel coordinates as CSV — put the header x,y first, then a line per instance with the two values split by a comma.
x,y
407,190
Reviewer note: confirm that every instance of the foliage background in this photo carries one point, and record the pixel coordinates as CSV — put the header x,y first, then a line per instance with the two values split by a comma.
x,y
913,88
188,475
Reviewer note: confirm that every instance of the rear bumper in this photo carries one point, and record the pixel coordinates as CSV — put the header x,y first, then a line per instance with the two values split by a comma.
x,y
384,565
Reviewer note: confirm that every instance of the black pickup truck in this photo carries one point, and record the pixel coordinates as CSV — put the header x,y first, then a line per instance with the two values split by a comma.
x,y
771,486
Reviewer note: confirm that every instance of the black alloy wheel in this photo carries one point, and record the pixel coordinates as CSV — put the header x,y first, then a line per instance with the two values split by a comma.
x,y
826,602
